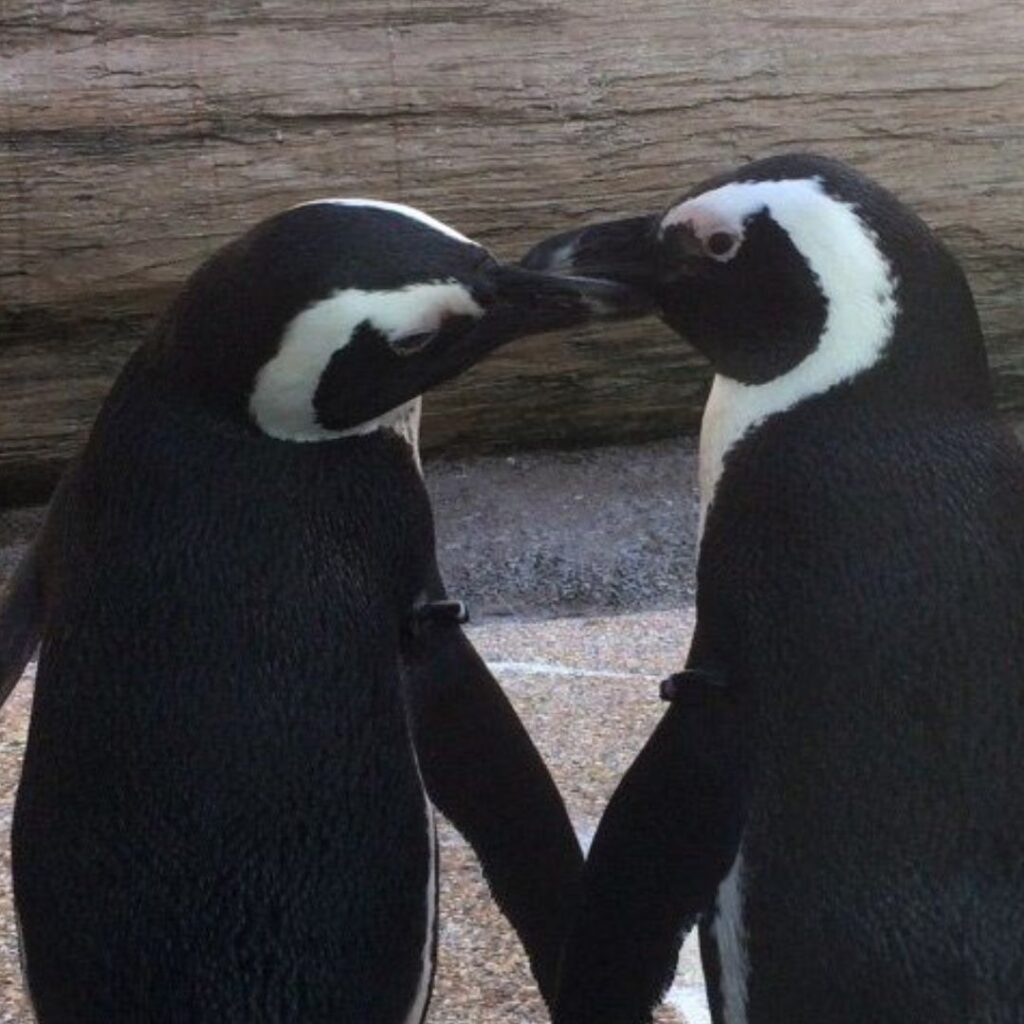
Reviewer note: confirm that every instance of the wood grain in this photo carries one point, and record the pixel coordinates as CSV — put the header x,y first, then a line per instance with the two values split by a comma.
x,y
137,137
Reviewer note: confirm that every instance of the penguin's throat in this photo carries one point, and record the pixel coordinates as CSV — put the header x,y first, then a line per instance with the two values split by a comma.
x,y
735,410
404,421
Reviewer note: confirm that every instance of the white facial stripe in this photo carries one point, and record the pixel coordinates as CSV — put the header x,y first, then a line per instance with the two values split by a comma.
x,y
406,211
282,400
854,277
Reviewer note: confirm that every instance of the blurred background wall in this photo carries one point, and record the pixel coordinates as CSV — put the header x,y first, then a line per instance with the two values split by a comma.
x,y
139,136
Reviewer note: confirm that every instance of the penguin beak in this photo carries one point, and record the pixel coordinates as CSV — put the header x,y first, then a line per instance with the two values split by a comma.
x,y
528,301
625,251
516,303
520,302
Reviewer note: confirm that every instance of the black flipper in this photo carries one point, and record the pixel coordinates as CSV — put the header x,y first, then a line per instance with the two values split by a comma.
x,y
483,773
667,838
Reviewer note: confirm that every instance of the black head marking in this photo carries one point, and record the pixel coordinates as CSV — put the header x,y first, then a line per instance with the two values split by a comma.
x,y
813,247
756,315
229,320
332,314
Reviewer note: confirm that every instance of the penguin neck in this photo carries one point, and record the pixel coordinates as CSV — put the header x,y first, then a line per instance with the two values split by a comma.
x,y
735,409
859,286
404,421
183,395
719,430
904,327
918,376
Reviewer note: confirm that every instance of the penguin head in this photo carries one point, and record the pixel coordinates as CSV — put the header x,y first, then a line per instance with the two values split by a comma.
x,y
796,268
330,318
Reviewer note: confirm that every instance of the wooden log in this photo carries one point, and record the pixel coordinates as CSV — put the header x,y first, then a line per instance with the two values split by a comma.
x,y
137,137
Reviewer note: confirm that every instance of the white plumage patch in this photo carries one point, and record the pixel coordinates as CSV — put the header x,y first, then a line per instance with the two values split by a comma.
x,y
282,400
854,276
730,938
404,421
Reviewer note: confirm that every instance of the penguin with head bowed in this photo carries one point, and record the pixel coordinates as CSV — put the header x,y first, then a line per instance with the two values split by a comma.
x,y
251,693
837,792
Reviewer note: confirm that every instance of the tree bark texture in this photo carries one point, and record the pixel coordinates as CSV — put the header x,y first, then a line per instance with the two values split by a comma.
x,y
139,136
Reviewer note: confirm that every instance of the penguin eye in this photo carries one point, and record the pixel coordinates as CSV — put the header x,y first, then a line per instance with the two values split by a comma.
x,y
721,245
410,344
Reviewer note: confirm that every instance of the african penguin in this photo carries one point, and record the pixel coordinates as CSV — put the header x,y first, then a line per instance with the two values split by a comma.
x,y
853,844
244,712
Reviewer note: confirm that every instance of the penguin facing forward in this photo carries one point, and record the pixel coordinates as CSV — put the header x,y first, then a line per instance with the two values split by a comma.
x,y
248,698
843,811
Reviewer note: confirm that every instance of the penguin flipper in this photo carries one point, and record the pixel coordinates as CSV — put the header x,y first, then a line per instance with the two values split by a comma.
x,y
22,616
483,773
667,838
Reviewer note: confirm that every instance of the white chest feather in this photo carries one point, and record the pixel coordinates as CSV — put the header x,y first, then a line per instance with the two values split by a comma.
x,y
718,433
407,425
404,421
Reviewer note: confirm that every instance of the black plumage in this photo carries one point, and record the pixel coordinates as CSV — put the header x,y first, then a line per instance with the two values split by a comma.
x,y
223,815
861,595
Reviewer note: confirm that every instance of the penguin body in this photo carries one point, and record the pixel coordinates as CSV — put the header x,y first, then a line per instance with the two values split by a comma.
x,y
881,637
222,815
861,591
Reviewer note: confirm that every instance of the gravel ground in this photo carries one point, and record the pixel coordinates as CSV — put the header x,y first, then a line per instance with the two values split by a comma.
x,y
541,534
579,569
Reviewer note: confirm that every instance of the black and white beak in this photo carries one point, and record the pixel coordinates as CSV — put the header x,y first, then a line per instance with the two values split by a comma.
x,y
626,251
541,299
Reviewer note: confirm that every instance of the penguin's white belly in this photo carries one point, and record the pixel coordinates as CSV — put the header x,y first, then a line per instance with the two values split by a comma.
x,y
418,1007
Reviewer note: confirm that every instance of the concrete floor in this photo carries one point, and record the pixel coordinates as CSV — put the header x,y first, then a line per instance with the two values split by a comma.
x,y
579,570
